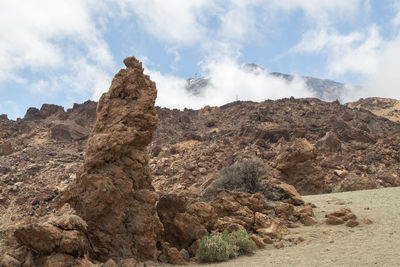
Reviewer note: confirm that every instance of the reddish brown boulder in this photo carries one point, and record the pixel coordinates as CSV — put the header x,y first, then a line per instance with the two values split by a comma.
x,y
300,151
342,216
265,131
298,167
354,182
389,179
332,220
59,260
172,255
68,131
262,221
110,263
258,240
344,213
329,143
5,149
366,221
184,221
8,261
175,257
238,208
113,193
276,190
60,132
63,233
354,134
130,262
352,223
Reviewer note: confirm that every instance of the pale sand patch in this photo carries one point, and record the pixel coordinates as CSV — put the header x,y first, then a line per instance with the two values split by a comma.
x,y
376,244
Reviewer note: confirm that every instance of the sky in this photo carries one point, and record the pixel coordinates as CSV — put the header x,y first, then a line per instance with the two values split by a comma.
x,y
64,52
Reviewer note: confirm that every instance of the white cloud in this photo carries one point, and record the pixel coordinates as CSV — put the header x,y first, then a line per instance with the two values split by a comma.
x,y
31,33
13,108
173,21
51,38
190,22
86,79
228,82
182,22
171,90
385,82
175,52
41,87
396,20
374,60
238,19
355,52
322,12
364,53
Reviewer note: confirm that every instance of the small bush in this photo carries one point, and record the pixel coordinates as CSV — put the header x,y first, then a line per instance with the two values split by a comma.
x,y
243,176
242,240
215,248
221,247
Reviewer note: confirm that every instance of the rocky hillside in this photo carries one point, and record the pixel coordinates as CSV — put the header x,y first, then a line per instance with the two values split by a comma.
x,y
110,213
385,107
40,155
327,147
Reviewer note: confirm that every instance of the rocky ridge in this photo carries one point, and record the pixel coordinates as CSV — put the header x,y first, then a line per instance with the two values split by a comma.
x,y
384,107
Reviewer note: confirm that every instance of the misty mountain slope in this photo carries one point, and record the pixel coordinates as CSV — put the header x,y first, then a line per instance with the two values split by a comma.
x,y
323,89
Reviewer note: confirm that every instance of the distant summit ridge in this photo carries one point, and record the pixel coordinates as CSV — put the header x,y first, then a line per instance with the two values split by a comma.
x,y
326,90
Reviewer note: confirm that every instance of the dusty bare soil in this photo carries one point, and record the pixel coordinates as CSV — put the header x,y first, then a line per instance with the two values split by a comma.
x,y
376,244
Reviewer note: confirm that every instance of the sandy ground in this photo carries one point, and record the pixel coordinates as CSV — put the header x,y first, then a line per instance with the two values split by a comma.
x,y
376,244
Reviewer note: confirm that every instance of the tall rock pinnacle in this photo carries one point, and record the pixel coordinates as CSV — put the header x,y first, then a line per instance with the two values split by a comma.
x,y
113,192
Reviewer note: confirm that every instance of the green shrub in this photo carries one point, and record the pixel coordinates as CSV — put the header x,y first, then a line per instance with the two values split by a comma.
x,y
242,240
221,247
215,248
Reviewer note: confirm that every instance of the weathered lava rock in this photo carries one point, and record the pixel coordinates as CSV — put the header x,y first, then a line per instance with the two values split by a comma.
x,y
5,149
185,220
63,233
298,167
113,192
341,216
329,143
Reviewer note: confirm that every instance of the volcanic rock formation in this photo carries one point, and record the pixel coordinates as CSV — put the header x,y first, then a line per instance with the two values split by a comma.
x,y
113,193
